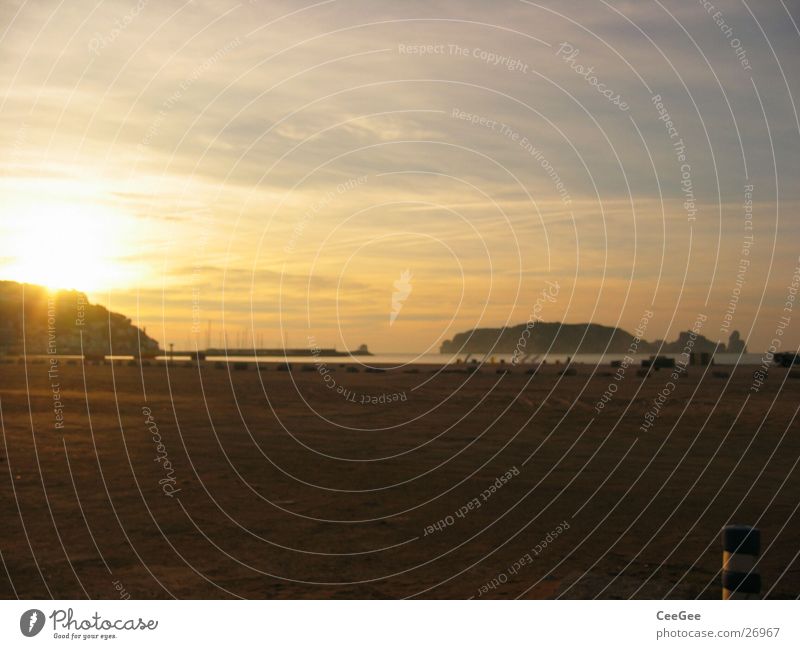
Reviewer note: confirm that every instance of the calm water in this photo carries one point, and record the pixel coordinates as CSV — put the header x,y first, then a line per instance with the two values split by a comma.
x,y
441,359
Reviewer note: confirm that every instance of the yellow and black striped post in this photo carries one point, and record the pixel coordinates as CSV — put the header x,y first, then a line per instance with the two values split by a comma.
x,y
741,545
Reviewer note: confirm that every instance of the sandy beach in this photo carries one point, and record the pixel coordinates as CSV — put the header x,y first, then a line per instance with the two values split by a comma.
x,y
208,481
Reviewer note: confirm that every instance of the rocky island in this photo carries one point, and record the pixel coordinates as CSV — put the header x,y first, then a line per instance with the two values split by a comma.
x,y
585,338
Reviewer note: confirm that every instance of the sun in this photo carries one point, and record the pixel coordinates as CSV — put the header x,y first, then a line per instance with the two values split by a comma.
x,y
66,246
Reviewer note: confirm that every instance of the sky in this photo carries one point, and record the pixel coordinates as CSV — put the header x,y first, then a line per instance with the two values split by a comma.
x,y
393,173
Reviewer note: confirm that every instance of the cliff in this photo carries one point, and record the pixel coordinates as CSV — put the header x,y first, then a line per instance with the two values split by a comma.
x,y
53,322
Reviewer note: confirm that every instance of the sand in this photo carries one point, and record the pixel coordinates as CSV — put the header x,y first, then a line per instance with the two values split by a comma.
x,y
281,487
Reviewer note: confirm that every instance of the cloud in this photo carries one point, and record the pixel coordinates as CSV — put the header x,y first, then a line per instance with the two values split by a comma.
x,y
226,130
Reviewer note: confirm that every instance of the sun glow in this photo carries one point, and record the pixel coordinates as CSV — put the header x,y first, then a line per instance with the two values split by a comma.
x,y
66,245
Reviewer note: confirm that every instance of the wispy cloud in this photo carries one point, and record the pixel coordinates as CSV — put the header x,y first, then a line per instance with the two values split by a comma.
x,y
226,131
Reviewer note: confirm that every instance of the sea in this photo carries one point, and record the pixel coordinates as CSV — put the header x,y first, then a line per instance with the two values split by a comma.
x,y
400,360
